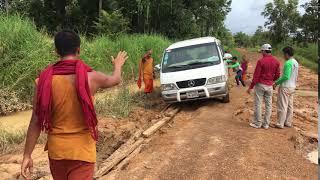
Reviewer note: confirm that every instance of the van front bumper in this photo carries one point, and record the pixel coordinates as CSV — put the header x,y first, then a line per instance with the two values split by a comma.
x,y
205,92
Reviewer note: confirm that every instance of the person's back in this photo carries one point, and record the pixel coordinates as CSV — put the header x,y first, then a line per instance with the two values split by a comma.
x,y
269,70
70,137
63,107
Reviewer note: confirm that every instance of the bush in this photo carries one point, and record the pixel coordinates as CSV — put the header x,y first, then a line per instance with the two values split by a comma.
x,y
9,102
24,52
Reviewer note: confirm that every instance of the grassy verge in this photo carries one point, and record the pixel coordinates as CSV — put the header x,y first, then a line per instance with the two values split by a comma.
x,y
234,52
9,139
119,105
306,55
24,52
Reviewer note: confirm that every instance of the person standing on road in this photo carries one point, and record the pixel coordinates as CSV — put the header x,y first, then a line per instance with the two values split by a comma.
x,y
267,71
146,72
71,122
286,90
244,66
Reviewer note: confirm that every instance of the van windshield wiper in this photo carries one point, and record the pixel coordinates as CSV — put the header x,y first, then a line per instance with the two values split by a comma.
x,y
200,63
180,66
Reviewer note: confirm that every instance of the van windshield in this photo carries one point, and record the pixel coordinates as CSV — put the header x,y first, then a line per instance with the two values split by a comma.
x,y
190,57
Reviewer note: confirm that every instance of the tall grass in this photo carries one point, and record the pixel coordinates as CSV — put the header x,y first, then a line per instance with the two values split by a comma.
x,y
24,52
307,55
118,105
9,139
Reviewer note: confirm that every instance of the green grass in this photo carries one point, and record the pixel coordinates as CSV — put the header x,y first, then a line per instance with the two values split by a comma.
x,y
118,105
25,51
9,139
307,56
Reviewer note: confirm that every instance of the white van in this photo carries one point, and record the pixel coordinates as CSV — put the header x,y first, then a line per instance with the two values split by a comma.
x,y
194,69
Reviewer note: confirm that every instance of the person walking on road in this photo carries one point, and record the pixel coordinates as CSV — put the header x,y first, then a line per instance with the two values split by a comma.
x,y
286,90
267,71
63,107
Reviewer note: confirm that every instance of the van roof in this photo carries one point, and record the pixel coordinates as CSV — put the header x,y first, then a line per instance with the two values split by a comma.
x,y
191,42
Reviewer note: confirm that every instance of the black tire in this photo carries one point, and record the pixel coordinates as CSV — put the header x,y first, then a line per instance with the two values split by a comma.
x,y
226,99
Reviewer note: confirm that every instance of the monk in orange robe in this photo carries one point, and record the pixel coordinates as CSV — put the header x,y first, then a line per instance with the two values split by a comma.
x,y
63,107
146,72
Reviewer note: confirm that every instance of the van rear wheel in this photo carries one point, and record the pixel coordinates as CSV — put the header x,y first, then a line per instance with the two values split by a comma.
x,y
226,99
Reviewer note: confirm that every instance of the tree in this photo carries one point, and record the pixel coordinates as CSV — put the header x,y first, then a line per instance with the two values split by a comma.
x,y
111,24
225,36
177,19
242,39
282,19
309,21
260,37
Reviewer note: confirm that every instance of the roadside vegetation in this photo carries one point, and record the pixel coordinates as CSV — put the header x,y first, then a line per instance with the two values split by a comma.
x,y
287,28
25,51
26,45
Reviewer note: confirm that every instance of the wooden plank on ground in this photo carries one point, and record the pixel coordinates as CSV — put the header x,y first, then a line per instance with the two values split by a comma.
x,y
118,156
155,127
151,130
112,175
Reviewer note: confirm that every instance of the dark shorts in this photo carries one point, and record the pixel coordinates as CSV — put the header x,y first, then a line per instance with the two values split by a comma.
x,y
71,170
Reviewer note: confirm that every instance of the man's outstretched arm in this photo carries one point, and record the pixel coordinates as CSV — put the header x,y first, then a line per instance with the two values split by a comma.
x,y
32,137
104,81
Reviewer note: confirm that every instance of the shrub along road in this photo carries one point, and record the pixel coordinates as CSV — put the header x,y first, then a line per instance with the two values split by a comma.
x,y
211,140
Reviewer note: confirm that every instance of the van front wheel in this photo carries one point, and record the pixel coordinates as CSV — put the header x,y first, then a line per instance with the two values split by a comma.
x,y
226,99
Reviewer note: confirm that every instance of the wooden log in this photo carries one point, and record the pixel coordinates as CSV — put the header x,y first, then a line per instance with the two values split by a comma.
x,y
151,130
171,112
118,156
112,175
131,145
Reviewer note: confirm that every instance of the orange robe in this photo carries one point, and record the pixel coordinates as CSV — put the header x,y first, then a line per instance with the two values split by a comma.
x,y
146,72
70,138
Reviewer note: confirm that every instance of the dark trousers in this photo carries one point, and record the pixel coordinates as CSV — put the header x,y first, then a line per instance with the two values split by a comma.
x,y
239,78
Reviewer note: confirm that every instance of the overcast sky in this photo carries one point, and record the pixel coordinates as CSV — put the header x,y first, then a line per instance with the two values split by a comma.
x,y
246,15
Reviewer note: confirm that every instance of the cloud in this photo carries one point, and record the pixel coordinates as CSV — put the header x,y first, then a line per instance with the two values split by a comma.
x,y
246,15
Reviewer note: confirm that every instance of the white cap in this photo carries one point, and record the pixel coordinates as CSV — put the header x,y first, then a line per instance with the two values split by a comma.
x,y
266,47
227,56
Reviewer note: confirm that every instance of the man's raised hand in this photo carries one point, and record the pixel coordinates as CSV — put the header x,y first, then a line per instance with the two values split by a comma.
x,y
120,59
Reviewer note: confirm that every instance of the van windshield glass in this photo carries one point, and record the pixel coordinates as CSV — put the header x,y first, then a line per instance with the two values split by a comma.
x,y
190,57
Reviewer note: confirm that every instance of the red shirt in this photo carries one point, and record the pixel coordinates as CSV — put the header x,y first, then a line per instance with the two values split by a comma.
x,y
267,71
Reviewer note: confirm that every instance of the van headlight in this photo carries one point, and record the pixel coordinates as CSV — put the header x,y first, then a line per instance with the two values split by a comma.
x,y
168,87
216,80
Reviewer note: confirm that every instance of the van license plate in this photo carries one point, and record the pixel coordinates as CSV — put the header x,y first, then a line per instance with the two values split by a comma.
x,y
192,94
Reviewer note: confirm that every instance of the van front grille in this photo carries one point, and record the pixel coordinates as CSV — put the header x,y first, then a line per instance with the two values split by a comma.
x,y
191,83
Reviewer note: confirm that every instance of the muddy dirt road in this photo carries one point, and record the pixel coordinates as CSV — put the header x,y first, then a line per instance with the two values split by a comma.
x,y
206,140
211,140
